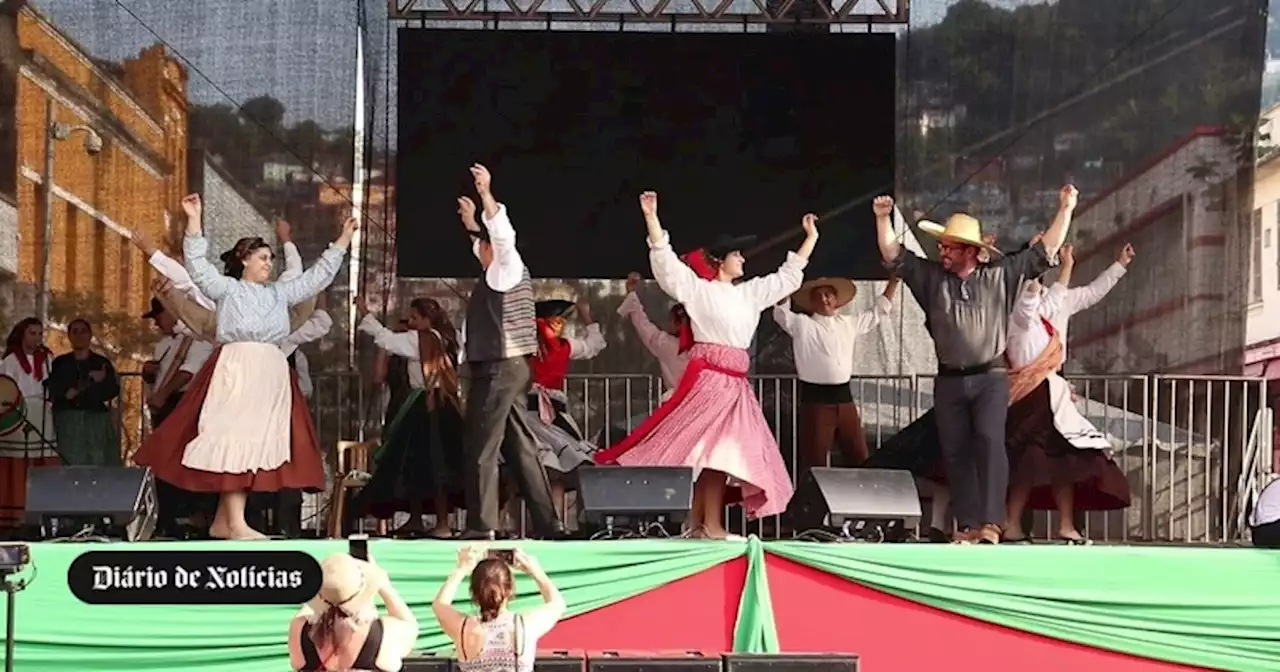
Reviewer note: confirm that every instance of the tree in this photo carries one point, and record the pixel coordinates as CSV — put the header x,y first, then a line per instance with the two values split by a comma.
x,y
265,111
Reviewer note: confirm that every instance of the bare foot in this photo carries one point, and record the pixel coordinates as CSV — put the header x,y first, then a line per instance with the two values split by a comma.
x,y
220,530
720,534
244,532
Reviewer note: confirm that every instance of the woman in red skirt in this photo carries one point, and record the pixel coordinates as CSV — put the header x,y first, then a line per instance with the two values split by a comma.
x,y
713,421
242,425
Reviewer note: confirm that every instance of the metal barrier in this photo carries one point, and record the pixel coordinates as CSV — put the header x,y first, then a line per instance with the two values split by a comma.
x,y
1195,449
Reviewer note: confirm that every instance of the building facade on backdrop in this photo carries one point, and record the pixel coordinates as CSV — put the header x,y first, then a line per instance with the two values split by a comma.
x,y
1262,327
139,108
1177,310
230,212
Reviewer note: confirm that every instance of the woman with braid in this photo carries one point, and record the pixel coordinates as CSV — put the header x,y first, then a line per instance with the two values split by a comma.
x,y
420,456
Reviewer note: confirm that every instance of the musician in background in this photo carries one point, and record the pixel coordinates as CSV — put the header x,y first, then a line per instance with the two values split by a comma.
x,y
176,359
27,436
82,385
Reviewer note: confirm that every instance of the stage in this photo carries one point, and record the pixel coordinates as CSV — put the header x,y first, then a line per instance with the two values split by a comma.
x,y
897,606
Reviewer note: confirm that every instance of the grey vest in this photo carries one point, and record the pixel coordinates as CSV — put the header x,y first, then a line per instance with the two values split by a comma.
x,y
500,325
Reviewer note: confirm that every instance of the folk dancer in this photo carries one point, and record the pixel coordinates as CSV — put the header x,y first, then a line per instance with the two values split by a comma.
x,y
500,336
390,373
420,456
1059,459
244,425
967,306
713,421
27,435
176,359
669,345
82,385
824,335
562,448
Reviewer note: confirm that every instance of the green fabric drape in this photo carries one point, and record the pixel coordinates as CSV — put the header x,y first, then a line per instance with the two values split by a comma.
x,y
56,633
755,631
1208,607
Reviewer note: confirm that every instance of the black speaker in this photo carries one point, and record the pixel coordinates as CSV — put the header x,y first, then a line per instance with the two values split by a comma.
x,y
652,661
427,662
617,494
790,662
872,504
560,661
116,501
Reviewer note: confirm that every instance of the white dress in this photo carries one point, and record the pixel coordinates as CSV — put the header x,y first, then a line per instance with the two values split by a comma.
x,y
34,438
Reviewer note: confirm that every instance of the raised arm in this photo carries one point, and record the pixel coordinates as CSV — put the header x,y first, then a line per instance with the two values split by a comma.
x,y
322,273
315,328
292,259
194,248
401,344
543,617
467,213
673,276
594,343
886,238
658,342
767,290
883,308
1056,235
507,268
1085,297
787,319
451,619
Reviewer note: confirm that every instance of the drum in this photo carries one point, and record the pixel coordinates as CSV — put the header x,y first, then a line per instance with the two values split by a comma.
x,y
13,408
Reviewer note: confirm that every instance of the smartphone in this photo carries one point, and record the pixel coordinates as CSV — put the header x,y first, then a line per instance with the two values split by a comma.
x,y
358,546
506,555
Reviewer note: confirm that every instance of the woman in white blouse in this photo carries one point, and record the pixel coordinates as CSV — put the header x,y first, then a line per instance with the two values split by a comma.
x,y
27,436
713,422
242,425
420,459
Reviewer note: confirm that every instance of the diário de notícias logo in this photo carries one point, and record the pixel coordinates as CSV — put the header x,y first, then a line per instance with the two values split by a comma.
x,y
194,577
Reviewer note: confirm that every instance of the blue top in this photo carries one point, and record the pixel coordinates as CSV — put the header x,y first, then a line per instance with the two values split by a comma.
x,y
250,312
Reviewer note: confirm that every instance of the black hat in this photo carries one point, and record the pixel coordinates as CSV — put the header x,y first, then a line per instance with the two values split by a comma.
x,y
156,309
723,245
553,308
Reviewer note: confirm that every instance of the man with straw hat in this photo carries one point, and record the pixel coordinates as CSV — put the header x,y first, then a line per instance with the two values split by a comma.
x,y
967,304
824,334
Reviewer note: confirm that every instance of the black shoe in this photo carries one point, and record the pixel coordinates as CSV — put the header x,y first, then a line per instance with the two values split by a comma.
x,y
477,535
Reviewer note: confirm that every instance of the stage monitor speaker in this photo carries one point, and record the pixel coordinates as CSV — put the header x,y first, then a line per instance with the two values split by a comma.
x,y
875,504
635,492
652,661
115,501
427,662
790,662
560,661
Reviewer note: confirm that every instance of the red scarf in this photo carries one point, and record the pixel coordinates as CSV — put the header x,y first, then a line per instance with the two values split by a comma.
x,y
551,364
696,260
37,369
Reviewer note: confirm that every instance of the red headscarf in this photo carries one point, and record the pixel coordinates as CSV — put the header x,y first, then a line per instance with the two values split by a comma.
x,y
697,260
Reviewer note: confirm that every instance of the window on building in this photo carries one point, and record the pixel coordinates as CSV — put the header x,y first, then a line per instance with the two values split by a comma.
x,y
1255,284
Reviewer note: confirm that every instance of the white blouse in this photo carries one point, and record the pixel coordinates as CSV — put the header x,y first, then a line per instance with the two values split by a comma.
x,y
1028,337
822,346
663,346
400,344
722,313
589,347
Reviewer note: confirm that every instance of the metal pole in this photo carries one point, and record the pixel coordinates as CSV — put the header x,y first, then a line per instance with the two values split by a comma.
x,y
46,184
9,590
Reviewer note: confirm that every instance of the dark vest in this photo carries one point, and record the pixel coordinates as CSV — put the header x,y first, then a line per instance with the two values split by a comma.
x,y
500,325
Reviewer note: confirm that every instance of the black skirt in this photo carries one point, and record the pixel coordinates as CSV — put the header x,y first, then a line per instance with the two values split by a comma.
x,y
420,457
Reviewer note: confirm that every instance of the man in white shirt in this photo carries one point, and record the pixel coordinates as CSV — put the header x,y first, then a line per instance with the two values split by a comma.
x,y
824,334
176,359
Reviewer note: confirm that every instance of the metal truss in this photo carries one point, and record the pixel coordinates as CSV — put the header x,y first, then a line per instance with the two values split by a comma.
x,y
618,12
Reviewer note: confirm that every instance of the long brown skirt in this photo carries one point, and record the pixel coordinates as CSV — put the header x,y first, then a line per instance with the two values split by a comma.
x,y
163,450
1039,454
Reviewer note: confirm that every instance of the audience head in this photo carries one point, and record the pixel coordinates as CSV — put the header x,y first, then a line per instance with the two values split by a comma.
x,y
80,333
26,336
492,585
251,259
346,594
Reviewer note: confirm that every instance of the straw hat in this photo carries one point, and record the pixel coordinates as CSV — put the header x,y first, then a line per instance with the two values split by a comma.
x,y
348,583
802,300
961,229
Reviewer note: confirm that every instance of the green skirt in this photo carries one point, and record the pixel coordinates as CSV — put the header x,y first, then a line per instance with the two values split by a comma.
x,y
87,438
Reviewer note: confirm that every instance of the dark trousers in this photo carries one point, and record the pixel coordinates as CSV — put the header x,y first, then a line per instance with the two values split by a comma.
x,y
495,424
971,412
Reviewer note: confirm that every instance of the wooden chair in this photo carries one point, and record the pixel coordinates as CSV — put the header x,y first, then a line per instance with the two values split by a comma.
x,y
351,456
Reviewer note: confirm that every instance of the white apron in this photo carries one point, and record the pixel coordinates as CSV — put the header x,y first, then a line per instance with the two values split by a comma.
x,y
246,417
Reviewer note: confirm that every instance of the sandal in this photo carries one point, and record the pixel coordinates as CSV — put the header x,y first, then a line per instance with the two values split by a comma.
x,y
989,534
1076,541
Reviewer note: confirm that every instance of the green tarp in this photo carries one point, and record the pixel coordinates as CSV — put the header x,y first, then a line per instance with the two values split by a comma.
x,y
1214,608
